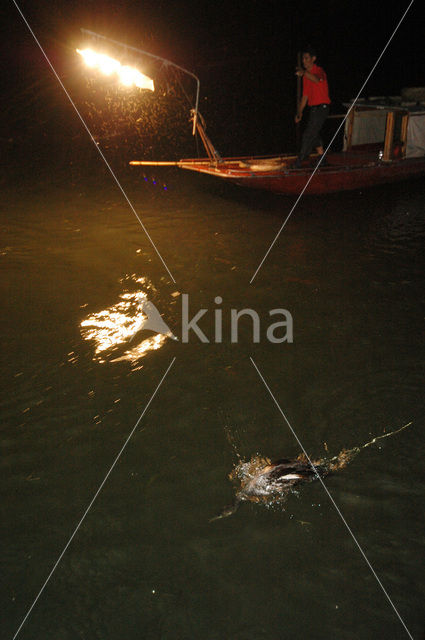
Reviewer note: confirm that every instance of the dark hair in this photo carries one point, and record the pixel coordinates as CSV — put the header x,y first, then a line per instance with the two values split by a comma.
x,y
309,49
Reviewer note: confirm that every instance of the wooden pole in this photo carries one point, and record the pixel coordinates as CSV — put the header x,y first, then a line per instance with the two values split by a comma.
x,y
389,137
153,163
297,126
348,134
403,134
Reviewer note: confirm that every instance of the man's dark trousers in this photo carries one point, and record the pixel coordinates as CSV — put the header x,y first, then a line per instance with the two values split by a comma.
x,y
311,136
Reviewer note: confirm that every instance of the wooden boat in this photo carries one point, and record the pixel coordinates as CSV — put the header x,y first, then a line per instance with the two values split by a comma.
x,y
384,141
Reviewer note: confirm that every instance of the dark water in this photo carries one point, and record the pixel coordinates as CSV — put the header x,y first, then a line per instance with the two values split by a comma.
x,y
146,562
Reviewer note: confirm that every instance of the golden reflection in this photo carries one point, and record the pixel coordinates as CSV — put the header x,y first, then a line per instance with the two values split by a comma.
x,y
118,325
150,344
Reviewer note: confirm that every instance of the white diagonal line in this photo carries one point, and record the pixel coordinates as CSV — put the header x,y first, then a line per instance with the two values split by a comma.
x,y
332,500
93,499
330,144
94,142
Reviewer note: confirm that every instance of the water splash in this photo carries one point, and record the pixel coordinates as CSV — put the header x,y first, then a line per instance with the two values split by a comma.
x,y
262,481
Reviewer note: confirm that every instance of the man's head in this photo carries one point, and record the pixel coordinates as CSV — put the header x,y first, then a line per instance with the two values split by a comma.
x,y
308,57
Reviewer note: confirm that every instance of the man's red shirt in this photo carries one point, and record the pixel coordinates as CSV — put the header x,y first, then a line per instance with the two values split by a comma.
x,y
316,92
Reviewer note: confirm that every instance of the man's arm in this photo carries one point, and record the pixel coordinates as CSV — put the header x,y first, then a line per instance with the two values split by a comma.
x,y
301,107
311,76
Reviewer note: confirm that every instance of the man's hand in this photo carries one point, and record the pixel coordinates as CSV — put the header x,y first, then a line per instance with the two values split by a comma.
x,y
300,109
299,72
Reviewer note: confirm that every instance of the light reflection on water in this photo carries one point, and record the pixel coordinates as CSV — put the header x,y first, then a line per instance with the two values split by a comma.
x,y
118,325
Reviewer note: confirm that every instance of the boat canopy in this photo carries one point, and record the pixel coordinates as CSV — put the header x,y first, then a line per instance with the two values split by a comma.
x,y
399,126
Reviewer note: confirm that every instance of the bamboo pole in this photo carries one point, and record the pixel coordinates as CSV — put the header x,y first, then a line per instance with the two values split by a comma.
x,y
168,163
297,126
153,163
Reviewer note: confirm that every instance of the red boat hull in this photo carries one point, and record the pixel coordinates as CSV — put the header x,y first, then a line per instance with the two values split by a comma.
x,y
343,172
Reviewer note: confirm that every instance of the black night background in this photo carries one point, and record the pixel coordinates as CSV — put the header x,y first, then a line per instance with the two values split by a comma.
x,y
243,52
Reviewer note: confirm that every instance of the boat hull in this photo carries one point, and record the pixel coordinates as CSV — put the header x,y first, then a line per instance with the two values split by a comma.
x,y
343,172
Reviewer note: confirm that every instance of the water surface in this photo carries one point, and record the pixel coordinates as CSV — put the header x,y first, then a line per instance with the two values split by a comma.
x,y
77,374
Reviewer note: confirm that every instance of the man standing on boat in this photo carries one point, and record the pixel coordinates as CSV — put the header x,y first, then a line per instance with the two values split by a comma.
x,y
316,95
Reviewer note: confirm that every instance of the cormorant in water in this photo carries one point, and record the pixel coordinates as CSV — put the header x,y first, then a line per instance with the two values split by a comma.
x,y
269,482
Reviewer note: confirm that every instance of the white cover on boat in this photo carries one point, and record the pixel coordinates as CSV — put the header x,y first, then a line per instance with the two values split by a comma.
x,y
416,136
368,127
